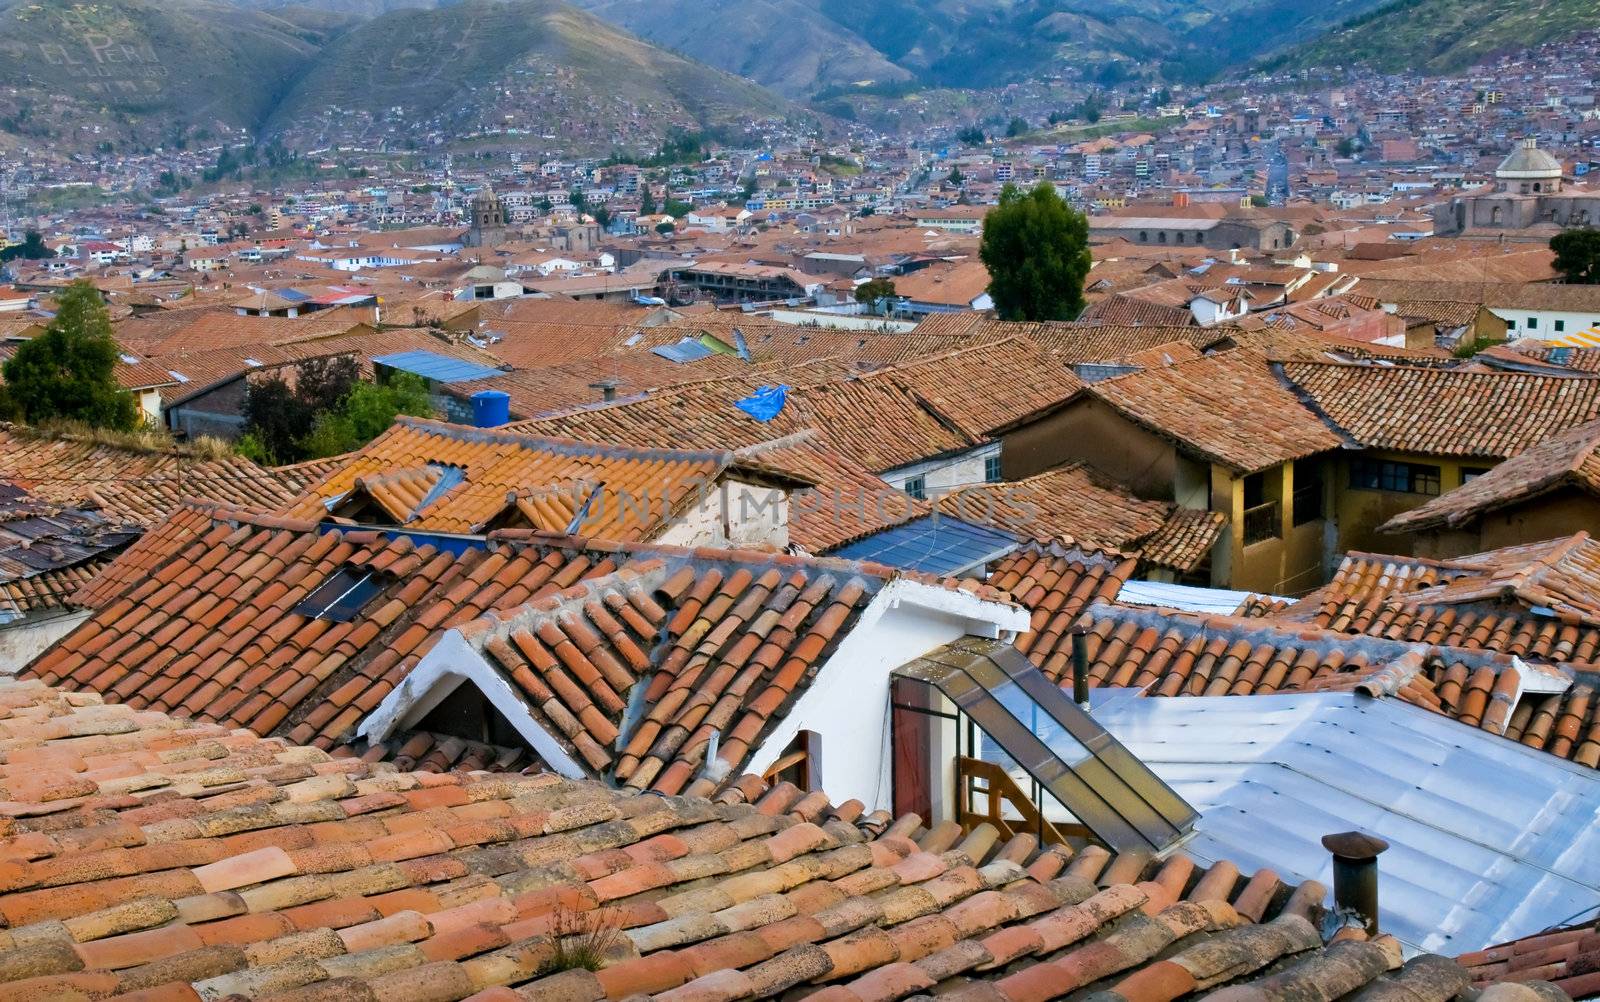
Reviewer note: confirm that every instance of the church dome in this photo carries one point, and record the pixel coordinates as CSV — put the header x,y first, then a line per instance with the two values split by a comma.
x,y
1529,163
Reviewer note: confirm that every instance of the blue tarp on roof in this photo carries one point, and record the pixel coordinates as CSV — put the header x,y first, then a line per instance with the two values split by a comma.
x,y
439,368
765,403
934,545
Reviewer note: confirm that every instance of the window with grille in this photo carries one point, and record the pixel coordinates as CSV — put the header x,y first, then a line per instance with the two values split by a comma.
x,y
1401,478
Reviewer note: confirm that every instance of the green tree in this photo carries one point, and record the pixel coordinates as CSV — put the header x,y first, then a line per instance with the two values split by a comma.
x,y
972,135
274,422
68,373
1036,248
367,412
32,248
647,201
956,177
1578,255
875,292
1015,128
664,228
278,419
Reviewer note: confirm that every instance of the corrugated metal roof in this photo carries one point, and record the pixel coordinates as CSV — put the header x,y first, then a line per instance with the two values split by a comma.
x,y
439,368
934,545
1490,841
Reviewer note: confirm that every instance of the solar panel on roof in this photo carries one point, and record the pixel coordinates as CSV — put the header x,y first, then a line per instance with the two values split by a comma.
x,y
685,351
934,545
439,368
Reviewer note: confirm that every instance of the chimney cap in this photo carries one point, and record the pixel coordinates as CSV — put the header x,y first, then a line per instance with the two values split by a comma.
x,y
1354,845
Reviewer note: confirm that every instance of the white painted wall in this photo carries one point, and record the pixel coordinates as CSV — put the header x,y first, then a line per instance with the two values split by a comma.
x,y
847,703
1517,322
948,472
452,662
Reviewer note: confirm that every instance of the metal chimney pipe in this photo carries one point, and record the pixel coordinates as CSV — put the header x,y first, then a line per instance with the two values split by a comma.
x,y
1355,875
1080,665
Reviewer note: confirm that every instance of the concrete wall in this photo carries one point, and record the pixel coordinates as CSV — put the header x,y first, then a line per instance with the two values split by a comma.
x,y
736,514
26,639
1089,430
1034,448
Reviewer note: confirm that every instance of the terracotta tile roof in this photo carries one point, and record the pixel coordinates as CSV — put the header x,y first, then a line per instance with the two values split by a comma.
x,y
1173,654
1532,354
214,329
1447,412
448,478
536,345
1078,344
1567,958
168,860
1537,602
984,388
1057,583
1185,541
424,751
47,551
849,501
1227,407
1130,311
1566,460
538,392
1076,504
881,424
214,620
127,484
1073,502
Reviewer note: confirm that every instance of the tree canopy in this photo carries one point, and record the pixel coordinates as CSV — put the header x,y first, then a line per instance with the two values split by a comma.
x,y
874,292
32,248
68,373
1578,255
1036,248
328,411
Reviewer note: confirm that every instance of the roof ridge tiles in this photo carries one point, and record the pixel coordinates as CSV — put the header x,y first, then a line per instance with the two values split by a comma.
x,y
1305,636
561,446
496,624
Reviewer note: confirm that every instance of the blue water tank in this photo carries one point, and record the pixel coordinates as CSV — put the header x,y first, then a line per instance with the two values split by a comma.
x,y
491,409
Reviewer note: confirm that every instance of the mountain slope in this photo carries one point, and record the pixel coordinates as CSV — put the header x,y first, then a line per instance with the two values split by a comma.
x,y
1445,35
814,52
972,43
488,65
144,70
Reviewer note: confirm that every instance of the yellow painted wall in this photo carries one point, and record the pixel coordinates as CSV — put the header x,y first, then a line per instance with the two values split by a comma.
x,y
1291,564
1360,512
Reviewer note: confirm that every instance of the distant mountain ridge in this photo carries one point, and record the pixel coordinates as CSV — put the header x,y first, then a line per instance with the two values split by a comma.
x,y
147,73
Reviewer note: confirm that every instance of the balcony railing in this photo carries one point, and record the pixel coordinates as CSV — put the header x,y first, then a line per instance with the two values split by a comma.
x,y
1263,522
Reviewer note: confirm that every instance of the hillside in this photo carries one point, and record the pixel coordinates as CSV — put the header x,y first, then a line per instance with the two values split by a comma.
x,y
1445,35
815,52
971,43
137,74
142,72
486,65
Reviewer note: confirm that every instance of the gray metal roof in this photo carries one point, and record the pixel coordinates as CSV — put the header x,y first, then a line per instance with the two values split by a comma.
x,y
1491,841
